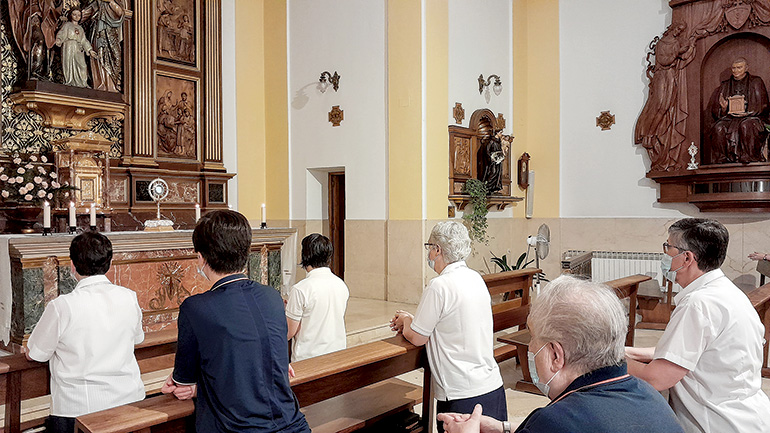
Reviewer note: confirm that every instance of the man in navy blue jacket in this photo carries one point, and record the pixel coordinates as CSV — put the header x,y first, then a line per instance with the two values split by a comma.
x,y
577,359
232,350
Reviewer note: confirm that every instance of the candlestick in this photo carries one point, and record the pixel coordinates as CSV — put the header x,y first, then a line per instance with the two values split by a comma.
x,y
46,215
73,222
93,215
197,212
264,216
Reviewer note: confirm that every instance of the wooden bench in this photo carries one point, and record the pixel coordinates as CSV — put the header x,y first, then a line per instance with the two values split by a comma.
x,y
26,380
513,311
760,299
338,392
624,287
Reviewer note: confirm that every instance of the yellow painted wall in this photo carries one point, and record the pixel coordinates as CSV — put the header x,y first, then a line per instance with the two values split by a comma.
x,y
250,105
437,100
536,98
276,111
404,110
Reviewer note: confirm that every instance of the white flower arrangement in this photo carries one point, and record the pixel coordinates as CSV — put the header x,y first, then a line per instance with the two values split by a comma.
x,y
31,180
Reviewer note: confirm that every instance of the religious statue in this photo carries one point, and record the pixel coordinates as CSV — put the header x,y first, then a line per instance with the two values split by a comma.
x,y
34,23
740,109
495,149
661,125
74,46
107,38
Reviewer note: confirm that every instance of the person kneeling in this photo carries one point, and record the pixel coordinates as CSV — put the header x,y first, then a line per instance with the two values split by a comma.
x,y
576,358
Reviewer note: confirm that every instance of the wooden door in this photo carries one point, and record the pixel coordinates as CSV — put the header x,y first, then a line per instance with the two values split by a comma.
x,y
337,221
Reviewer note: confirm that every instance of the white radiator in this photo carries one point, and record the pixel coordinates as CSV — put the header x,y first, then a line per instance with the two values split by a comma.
x,y
611,265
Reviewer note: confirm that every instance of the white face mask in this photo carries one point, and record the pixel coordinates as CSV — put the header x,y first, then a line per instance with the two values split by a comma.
x,y
201,273
543,387
431,263
665,267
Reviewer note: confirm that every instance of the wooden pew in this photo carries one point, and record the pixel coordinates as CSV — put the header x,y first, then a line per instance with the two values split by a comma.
x,y
28,379
513,311
624,287
760,299
338,392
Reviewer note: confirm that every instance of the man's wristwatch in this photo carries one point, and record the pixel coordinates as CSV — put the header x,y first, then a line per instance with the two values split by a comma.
x,y
506,427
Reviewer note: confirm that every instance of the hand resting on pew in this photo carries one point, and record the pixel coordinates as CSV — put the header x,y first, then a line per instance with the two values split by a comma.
x,y
470,423
182,392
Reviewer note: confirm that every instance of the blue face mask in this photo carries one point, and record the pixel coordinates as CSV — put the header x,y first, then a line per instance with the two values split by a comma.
x,y
543,387
665,267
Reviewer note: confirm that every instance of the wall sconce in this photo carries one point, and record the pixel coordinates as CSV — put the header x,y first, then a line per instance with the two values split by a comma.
x,y
497,88
327,78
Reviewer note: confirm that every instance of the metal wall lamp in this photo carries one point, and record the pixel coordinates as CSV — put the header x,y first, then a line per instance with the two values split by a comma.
x,y
497,87
327,78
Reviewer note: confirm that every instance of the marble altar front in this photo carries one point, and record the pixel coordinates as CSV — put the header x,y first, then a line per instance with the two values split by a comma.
x,y
160,267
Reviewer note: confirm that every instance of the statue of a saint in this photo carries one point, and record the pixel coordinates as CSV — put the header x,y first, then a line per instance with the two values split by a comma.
x,y
740,109
495,149
37,62
74,46
661,125
107,37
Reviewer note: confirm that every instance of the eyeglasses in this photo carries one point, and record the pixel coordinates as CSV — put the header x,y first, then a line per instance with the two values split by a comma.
x,y
429,245
667,246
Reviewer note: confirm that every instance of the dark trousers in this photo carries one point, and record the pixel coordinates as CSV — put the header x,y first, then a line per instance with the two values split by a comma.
x,y
59,424
492,403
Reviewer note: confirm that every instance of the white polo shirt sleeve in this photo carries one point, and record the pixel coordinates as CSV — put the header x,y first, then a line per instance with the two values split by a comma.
x,y
45,337
428,311
686,335
139,332
295,306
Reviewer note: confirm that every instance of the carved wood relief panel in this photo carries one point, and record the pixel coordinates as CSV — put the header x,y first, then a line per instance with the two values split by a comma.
x,y
177,31
177,119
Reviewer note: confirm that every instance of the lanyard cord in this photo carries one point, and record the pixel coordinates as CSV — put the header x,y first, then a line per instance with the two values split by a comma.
x,y
592,385
228,282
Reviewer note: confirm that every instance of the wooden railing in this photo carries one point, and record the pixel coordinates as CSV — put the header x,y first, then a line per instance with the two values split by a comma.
x,y
760,299
628,287
317,379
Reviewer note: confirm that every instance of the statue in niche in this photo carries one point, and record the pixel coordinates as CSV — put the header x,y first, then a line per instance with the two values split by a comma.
x,y
661,125
107,18
74,47
495,150
740,108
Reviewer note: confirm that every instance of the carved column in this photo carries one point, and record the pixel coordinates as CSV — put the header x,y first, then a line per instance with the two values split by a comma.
x,y
142,150
212,151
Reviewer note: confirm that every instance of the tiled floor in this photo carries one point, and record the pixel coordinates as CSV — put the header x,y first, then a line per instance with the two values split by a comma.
x,y
367,320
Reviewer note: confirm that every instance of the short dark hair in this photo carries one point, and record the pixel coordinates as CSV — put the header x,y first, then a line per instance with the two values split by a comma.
x,y
706,239
317,251
91,253
223,238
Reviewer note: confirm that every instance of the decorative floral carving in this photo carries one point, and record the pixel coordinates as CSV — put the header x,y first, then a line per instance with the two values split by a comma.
x,y
459,113
171,288
605,120
336,115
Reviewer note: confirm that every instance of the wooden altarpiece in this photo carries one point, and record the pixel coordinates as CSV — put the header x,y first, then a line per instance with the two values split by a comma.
x,y
466,156
161,112
679,122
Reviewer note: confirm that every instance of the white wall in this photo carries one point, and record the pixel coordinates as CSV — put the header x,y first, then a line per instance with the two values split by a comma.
x,y
347,36
229,140
480,42
603,45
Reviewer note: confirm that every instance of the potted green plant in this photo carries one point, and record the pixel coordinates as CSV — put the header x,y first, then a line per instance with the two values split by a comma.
x,y
476,217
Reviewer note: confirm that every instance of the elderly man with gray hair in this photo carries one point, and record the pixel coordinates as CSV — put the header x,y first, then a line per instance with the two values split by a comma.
x,y
454,319
576,358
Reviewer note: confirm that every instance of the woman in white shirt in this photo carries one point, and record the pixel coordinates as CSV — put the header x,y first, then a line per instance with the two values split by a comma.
x,y
454,321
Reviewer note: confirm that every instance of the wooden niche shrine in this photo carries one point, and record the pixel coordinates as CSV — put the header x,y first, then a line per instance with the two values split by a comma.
x,y
706,119
482,152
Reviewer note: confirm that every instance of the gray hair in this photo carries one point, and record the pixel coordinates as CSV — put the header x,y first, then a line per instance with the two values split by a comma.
x,y
452,237
586,318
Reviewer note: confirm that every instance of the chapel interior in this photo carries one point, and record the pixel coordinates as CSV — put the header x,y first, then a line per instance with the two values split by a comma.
x,y
589,127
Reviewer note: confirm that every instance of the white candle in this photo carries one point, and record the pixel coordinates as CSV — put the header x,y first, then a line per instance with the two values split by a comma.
x,y
72,215
93,214
264,214
46,215
197,212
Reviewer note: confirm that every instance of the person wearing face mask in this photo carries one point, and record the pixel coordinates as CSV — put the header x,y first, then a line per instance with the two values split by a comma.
x,y
710,354
231,344
454,321
576,359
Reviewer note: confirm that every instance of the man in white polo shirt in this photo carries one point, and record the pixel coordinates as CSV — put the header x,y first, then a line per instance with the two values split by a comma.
x,y
88,338
710,355
315,311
